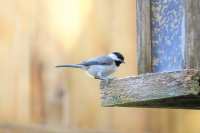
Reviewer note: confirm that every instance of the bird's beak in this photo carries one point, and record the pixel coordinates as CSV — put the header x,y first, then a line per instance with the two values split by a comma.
x,y
123,62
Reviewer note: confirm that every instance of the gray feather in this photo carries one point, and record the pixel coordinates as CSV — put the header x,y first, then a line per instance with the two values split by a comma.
x,y
71,65
102,60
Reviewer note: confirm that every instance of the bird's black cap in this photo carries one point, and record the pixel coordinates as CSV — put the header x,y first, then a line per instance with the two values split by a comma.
x,y
119,55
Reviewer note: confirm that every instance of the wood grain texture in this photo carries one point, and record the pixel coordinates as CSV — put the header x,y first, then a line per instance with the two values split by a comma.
x,y
192,34
177,89
143,36
167,35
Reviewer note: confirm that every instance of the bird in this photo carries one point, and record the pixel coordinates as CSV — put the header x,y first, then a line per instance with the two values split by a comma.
x,y
100,67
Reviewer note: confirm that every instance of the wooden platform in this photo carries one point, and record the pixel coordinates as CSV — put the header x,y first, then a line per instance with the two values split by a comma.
x,y
179,89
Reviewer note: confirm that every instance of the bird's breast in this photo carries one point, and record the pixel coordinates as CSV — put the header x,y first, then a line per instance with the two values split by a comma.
x,y
105,70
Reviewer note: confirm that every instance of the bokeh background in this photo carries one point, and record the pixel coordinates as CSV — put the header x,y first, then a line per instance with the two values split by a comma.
x,y
36,35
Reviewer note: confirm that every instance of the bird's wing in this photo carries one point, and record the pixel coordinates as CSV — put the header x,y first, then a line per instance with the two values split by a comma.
x,y
102,60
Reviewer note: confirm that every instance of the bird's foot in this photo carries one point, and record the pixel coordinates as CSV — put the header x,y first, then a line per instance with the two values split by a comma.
x,y
106,80
111,78
96,77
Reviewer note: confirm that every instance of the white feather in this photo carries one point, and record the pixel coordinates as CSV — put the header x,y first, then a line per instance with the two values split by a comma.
x,y
114,57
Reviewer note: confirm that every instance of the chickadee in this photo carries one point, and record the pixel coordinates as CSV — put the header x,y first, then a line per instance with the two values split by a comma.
x,y
100,67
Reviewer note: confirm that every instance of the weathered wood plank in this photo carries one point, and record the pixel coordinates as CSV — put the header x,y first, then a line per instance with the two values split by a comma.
x,y
167,35
192,33
143,36
177,89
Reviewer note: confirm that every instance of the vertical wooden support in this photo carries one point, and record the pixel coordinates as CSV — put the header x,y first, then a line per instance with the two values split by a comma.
x,y
192,50
143,36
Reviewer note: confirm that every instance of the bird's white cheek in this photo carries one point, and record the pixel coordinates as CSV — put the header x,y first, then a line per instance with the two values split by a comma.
x,y
114,57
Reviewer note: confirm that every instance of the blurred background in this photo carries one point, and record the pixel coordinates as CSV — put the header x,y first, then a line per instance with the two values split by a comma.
x,y
36,35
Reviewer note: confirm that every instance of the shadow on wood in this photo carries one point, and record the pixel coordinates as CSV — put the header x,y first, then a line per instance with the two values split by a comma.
x,y
179,89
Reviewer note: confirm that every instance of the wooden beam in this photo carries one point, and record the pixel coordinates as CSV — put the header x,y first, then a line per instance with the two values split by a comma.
x,y
179,89
143,36
192,34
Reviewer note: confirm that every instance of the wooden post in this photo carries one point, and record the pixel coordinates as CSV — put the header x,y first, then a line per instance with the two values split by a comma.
x,y
143,36
192,32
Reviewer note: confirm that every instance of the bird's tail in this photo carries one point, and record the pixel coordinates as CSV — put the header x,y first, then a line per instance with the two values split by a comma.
x,y
71,65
